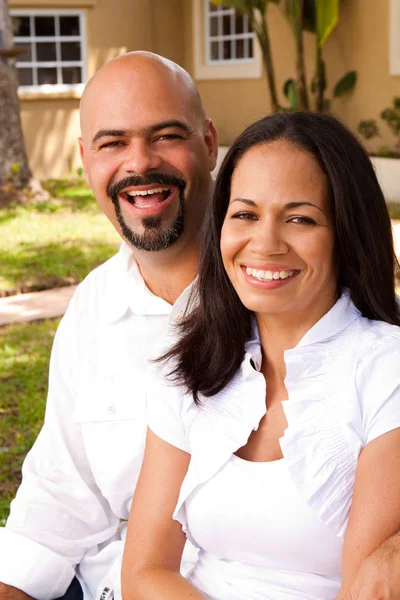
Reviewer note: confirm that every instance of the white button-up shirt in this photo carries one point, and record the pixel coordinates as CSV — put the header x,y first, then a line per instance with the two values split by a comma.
x,y
78,480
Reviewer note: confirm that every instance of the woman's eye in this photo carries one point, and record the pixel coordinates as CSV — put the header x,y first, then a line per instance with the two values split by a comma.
x,y
245,216
301,220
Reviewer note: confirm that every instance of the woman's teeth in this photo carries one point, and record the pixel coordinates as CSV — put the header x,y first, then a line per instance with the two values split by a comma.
x,y
269,275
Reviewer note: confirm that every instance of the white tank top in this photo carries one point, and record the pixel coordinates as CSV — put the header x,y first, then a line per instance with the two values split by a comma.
x,y
258,538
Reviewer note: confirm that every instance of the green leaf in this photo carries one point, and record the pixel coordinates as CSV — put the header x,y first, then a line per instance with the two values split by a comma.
x,y
368,128
290,91
327,16
345,84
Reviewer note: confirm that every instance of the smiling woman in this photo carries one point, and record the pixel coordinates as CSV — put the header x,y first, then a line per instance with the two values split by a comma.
x,y
277,452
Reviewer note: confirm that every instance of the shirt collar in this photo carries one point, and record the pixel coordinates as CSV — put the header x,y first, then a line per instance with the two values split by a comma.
x,y
342,313
126,290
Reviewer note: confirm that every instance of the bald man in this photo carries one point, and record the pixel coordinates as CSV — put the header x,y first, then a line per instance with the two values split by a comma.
x,y
147,149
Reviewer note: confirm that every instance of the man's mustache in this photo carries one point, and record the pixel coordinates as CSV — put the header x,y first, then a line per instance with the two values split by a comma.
x,y
138,180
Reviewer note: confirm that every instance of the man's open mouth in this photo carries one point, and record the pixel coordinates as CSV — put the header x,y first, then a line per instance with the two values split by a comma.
x,y
148,198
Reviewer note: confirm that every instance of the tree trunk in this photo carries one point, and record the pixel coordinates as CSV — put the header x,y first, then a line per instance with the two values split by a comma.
x,y
15,174
260,28
300,65
319,81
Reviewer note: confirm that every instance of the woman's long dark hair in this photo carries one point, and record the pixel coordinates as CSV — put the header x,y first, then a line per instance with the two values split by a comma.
x,y
212,338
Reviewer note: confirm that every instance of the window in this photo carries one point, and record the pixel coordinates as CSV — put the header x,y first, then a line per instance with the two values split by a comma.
x,y
229,37
54,58
224,45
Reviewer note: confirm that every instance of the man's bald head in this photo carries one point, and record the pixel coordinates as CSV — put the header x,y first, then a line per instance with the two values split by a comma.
x,y
140,69
148,149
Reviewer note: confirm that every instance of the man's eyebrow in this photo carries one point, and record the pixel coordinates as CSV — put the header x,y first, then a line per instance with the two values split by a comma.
x,y
170,124
109,133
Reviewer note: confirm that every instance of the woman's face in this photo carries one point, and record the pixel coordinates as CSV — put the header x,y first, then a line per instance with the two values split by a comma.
x,y
277,240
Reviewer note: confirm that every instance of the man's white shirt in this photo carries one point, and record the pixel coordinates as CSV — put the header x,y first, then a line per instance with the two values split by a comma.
x,y
79,477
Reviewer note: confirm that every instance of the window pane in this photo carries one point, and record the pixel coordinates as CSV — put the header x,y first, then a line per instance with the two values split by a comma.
x,y
251,48
240,49
238,24
71,75
213,26
47,76
70,51
46,51
44,26
214,51
21,26
27,55
227,50
69,25
226,25
25,76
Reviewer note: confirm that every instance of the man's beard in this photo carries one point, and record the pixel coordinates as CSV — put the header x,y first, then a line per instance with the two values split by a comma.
x,y
154,237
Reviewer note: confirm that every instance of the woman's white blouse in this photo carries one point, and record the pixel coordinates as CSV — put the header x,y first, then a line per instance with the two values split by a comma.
x,y
343,384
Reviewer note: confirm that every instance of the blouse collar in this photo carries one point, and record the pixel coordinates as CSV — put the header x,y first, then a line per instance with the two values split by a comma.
x,y
342,313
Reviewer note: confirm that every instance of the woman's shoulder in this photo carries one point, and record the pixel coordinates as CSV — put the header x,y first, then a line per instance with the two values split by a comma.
x,y
376,346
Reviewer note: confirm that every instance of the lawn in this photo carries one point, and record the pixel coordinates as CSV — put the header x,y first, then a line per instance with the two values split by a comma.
x,y
53,243
24,360
44,245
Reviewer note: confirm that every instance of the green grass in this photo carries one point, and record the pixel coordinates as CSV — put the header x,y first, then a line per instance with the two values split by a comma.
x,y
53,243
24,360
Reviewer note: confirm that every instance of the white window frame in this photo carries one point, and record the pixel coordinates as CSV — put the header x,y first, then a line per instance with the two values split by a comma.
x,y
204,67
58,87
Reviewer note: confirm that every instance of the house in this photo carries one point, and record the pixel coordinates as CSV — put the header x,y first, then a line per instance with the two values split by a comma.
x,y
66,41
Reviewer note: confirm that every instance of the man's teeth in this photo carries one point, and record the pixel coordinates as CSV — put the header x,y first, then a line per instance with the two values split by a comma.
x,y
268,275
159,190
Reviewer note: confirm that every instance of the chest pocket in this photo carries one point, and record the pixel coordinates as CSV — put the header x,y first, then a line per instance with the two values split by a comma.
x,y
112,417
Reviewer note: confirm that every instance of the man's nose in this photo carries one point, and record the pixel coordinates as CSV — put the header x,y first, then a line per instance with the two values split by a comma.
x,y
141,157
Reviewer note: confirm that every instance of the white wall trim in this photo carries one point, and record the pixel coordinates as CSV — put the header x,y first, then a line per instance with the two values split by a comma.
x,y
394,37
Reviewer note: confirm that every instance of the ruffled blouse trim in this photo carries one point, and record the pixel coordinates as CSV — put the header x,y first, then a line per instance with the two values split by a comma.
x,y
320,453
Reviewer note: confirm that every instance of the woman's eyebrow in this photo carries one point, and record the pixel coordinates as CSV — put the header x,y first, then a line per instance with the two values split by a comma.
x,y
291,205
288,206
244,201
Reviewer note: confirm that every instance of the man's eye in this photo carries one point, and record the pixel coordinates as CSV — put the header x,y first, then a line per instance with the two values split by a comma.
x,y
113,144
169,136
301,220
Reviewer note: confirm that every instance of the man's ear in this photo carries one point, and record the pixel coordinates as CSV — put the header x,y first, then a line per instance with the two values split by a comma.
x,y
211,138
82,155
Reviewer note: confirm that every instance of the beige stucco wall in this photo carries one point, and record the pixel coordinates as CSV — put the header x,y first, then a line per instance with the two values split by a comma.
x,y
361,42
51,123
